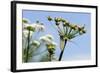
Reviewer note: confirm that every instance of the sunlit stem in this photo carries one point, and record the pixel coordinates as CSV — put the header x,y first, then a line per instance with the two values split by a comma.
x,y
28,47
62,46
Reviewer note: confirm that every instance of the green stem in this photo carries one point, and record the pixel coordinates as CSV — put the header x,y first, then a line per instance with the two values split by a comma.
x,y
60,29
28,38
69,31
75,32
57,28
66,30
49,57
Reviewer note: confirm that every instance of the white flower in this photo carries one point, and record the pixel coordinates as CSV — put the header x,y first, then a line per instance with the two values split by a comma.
x,y
38,27
35,43
26,25
26,32
29,27
49,36
53,43
25,20
47,39
34,27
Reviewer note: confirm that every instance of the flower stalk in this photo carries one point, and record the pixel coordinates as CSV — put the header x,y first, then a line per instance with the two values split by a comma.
x,y
31,45
50,45
67,31
62,46
28,47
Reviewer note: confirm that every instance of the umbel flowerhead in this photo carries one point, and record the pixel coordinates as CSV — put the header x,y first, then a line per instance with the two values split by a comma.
x,y
29,27
25,21
50,44
35,43
47,39
51,48
69,30
33,27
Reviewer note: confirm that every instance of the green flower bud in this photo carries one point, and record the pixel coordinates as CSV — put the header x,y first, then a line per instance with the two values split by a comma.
x,y
72,26
63,20
37,21
57,23
76,27
59,19
82,32
49,18
51,48
65,23
55,19
81,28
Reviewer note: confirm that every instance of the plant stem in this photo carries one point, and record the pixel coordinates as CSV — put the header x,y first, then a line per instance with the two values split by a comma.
x,y
66,30
49,57
69,31
28,38
60,29
63,48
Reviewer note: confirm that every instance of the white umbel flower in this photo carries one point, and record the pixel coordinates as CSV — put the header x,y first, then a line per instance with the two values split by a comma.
x,y
53,43
38,27
47,39
27,25
35,43
25,20
49,36
34,26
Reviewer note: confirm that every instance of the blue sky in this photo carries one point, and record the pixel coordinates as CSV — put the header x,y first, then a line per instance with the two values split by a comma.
x,y
78,48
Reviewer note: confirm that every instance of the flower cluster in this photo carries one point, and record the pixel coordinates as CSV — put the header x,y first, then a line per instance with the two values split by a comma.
x,y
66,29
50,44
34,27
30,45
25,20
31,27
35,43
